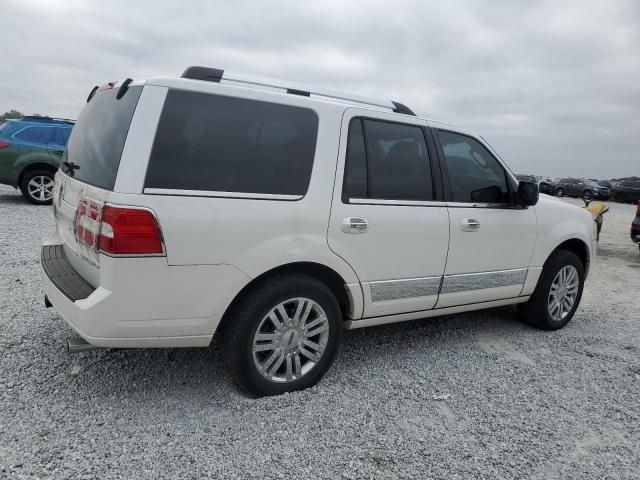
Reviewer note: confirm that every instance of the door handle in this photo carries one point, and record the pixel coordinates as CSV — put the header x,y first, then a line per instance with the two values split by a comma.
x,y
354,225
470,225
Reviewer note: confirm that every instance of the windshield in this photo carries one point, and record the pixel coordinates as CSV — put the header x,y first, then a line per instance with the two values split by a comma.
x,y
97,140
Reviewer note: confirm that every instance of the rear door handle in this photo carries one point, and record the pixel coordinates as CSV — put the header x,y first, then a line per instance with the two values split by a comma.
x,y
470,225
354,225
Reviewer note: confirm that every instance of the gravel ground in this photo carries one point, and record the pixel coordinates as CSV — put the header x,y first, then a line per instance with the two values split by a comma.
x,y
463,396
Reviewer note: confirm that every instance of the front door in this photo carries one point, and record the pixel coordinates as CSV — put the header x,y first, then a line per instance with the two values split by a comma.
x,y
386,219
491,239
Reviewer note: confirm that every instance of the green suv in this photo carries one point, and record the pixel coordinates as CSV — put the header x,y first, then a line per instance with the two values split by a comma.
x,y
31,149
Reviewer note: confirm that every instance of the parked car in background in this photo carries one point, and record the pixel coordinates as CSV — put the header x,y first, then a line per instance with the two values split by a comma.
x,y
31,149
575,187
547,185
257,209
602,189
635,226
627,191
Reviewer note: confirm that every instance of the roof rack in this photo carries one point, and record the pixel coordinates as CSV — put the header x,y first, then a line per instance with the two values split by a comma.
x,y
36,118
218,75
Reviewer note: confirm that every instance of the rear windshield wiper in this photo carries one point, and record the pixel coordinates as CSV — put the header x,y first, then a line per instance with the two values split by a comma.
x,y
70,168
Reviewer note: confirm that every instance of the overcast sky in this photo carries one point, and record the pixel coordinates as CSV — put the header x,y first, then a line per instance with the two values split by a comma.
x,y
553,86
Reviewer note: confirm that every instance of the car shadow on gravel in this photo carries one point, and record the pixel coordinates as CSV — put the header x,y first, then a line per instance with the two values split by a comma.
x,y
15,199
198,375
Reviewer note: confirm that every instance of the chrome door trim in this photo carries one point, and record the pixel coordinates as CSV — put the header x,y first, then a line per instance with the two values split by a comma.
x,y
480,281
215,194
405,203
382,290
479,205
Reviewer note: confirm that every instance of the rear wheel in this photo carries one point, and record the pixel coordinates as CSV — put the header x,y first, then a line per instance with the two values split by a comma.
x,y
558,293
37,186
559,192
282,336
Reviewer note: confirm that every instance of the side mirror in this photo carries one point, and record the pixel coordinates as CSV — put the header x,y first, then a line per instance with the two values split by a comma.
x,y
528,193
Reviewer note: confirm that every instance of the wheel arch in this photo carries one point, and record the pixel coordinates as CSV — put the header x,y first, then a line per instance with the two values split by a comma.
x,y
328,276
577,246
34,166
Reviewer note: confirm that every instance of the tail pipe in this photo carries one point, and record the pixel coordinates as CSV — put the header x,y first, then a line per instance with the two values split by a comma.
x,y
78,344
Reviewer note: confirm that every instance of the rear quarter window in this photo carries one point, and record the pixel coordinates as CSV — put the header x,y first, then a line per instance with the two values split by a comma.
x,y
224,144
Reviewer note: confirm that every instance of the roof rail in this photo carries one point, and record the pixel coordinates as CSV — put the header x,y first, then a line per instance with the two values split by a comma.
x,y
218,75
36,118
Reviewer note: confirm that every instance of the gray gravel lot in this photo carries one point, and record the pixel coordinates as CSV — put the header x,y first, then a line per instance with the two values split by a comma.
x,y
463,396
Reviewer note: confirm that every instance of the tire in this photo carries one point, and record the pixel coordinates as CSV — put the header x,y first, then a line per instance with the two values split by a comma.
x,y
559,192
536,311
587,195
37,186
250,317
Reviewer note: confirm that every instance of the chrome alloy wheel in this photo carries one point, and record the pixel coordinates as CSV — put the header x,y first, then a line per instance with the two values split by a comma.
x,y
563,293
40,187
290,340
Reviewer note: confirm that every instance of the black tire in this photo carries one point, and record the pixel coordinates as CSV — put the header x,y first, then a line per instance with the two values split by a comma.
x,y
559,192
536,311
24,186
587,195
240,326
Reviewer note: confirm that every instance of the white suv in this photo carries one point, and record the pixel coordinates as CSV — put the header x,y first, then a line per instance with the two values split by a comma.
x,y
275,214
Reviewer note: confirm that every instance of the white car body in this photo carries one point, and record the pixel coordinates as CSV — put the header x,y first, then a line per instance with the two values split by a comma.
x,y
413,261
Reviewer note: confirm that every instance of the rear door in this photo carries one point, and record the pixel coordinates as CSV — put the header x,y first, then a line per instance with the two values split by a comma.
x,y
387,219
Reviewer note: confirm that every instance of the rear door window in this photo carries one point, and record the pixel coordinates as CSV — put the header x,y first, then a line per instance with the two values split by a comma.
x,y
224,144
386,161
98,137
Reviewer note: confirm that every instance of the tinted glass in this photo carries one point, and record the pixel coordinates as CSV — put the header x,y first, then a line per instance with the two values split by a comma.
x,y
355,174
475,175
97,139
387,161
215,143
42,135
62,135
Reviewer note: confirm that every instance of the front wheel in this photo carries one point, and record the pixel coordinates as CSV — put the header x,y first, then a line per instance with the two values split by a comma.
x,y
282,336
558,293
37,187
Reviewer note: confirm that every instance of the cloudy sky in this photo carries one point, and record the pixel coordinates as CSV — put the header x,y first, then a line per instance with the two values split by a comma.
x,y
553,86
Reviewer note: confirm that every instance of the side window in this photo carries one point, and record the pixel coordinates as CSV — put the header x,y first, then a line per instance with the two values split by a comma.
x,y
475,175
41,135
386,161
225,144
61,136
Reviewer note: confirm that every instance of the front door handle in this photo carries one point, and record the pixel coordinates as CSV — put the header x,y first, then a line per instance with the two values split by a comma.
x,y
354,225
470,225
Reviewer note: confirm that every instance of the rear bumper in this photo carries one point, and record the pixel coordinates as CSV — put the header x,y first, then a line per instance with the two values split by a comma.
x,y
141,302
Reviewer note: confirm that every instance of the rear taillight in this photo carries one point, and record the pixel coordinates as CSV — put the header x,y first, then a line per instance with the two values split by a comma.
x,y
3,144
129,231
117,230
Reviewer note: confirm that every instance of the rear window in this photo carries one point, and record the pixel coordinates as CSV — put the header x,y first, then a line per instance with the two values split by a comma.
x,y
98,137
223,144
